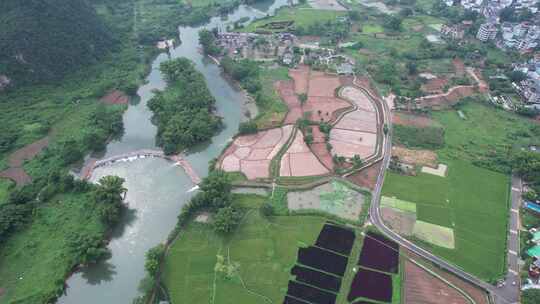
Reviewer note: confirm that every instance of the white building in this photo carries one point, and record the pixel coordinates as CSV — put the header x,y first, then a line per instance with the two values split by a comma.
x,y
486,32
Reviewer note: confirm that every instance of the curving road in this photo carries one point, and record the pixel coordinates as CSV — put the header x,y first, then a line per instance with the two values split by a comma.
x,y
509,294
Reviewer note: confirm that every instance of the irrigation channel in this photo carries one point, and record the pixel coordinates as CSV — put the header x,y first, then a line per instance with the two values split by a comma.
x,y
156,188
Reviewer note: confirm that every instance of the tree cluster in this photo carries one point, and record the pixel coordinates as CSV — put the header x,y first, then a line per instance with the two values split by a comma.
x,y
207,39
183,111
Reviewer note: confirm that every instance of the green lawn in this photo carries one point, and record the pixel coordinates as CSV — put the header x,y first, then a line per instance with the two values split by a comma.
x,y
471,200
486,137
35,261
5,186
273,109
302,17
265,250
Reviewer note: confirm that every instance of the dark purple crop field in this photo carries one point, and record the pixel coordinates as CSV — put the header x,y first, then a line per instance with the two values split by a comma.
x,y
326,261
372,285
337,239
316,278
379,253
310,294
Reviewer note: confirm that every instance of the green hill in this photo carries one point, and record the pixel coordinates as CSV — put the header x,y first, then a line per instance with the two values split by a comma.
x,y
42,40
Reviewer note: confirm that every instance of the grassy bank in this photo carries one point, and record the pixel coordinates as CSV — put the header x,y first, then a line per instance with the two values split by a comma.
x,y
36,259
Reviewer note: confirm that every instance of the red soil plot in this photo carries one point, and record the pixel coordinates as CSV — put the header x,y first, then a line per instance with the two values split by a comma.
x,y
435,85
356,132
17,158
323,85
300,77
367,177
300,161
115,97
324,108
17,174
422,287
288,95
459,67
400,118
251,154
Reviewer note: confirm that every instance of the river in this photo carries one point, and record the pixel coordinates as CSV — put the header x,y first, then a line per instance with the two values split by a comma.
x,y
157,189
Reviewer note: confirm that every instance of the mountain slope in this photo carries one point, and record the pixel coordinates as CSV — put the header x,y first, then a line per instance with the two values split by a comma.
x,y
42,40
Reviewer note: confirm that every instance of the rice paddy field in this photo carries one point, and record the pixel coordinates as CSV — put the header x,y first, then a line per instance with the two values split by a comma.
x,y
263,249
472,201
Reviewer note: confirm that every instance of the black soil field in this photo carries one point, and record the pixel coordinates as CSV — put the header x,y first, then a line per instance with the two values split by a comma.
x,y
321,259
336,238
379,253
310,294
372,285
316,278
289,300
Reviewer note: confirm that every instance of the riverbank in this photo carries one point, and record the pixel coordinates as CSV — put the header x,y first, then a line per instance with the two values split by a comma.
x,y
73,113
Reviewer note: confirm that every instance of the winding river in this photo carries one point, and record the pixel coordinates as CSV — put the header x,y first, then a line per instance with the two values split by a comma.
x,y
157,189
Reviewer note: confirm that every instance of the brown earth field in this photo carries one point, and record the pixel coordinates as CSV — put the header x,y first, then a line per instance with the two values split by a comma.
x,y
17,174
115,97
320,89
422,287
298,160
252,154
402,118
16,160
435,85
477,294
367,177
415,157
320,150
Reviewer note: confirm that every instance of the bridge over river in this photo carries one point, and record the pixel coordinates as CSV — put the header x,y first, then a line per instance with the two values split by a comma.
x,y
178,160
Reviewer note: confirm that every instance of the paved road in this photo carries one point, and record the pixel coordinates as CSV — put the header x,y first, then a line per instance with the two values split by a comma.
x,y
506,295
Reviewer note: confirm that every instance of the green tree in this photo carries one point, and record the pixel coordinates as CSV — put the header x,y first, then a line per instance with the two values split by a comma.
x,y
153,259
208,42
248,127
266,209
109,195
303,98
392,23
216,188
357,161
530,296
226,219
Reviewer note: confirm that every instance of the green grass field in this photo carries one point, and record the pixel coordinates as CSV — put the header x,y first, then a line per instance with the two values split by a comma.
x,y
487,136
302,17
274,109
471,200
265,250
5,186
35,260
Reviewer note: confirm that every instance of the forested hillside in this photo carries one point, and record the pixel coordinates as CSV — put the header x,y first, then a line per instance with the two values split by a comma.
x,y
42,40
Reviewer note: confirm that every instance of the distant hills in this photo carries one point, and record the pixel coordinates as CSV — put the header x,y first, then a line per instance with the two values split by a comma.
x,y
42,40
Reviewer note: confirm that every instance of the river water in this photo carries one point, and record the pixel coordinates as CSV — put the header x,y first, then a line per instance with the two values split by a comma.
x,y
157,189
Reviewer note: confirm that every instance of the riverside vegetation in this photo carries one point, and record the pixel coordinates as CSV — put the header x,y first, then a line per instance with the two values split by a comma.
x,y
44,225
183,111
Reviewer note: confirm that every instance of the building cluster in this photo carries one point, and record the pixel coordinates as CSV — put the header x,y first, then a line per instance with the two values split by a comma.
x,y
529,89
522,36
455,31
257,46
492,8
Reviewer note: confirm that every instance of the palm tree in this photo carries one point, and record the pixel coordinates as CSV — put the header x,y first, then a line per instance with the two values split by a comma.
x,y
112,187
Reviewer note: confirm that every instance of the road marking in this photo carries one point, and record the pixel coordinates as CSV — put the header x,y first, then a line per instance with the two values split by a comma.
x,y
513,232
514,210
512,252
512,271
516,189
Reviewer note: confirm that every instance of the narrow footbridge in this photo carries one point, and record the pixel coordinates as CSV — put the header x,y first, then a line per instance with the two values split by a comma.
x,y
178,160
